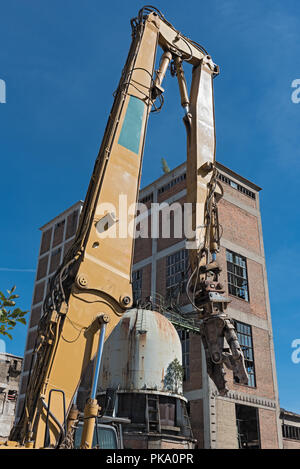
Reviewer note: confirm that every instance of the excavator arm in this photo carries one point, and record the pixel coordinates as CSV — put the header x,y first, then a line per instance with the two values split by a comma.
x,y
92,288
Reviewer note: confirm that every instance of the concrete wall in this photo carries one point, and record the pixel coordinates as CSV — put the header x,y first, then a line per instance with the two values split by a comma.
x,y
226,425
10,372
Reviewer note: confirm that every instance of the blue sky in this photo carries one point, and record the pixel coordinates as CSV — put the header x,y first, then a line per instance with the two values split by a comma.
x,y
61,62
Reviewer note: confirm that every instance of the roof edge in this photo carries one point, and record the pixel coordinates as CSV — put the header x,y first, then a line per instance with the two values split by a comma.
x,y
80,202
219,166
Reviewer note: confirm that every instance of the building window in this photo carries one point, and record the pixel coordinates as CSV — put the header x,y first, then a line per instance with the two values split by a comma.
x,y
290,432
244,334
12,395
55,260
176,278
236,186
72,224
247,427
237,275
137,278
147,198
172,183
185,344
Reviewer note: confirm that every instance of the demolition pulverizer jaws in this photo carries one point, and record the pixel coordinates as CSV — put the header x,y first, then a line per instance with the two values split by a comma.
x,y
217,331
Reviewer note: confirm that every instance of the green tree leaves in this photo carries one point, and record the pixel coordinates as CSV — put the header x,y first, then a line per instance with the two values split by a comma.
x,y
10,316
174,376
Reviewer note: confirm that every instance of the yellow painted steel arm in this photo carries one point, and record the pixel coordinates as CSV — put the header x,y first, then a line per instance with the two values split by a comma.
x,y
95,277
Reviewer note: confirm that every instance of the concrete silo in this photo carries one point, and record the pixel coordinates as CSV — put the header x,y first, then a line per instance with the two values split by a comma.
x,y
141,368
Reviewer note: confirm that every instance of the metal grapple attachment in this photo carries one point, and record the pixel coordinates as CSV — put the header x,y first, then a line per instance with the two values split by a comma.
x,y
214,330
217,330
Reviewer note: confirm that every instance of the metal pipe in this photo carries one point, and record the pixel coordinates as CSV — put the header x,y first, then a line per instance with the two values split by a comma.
x,y
98,360
92,408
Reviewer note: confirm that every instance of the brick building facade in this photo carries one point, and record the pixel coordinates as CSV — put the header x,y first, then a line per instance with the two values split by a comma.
x,y
249,415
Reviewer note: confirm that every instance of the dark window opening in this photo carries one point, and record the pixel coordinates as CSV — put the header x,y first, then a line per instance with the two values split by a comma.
x,y
132,406
12,395
185,344
237,275
244,335
147,198
59,224
137,279
290,432
247,427
236,186
176,275
172,183
72,224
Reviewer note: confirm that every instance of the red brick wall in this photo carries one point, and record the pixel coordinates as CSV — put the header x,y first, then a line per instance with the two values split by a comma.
x,y
31,340
55,260
67,246
163,243
172,191
58,233
245,199
72,224
46,240
143,246
39,292
239,226
42,267
35,316
195,381
146,281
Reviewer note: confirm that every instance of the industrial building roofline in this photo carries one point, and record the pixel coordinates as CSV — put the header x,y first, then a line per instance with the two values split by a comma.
x,y
62,214
219,166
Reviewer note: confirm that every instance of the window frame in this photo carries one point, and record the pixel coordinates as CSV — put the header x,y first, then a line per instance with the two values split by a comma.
x,y
185,340
135,281
251,347
239,421
172,264
290,432
233,272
